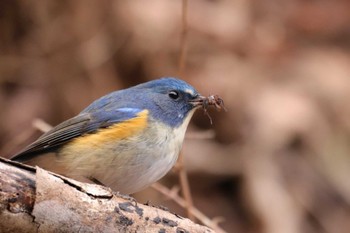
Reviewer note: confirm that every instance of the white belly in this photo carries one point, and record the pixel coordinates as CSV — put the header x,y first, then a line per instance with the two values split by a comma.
x,y
129,165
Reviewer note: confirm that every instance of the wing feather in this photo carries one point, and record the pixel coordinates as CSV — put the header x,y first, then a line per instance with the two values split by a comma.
x,y
83,123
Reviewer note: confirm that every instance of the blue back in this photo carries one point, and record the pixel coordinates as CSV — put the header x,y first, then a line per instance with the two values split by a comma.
x,y
153,96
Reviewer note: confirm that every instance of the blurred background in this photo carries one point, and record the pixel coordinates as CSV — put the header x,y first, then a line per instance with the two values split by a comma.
x,y
277,161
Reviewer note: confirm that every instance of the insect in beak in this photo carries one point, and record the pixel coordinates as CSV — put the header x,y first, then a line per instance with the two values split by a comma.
x,y
205,102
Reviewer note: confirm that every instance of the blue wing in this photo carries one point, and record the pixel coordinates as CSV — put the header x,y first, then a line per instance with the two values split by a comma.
x,y
84,123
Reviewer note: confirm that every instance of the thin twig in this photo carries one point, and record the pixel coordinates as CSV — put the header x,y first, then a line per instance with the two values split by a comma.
x,y
200,135
24,135
183,41
41,125
213,224
20,139
185,187
182,60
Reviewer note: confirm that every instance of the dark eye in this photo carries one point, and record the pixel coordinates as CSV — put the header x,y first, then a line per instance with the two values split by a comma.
x,y
174,95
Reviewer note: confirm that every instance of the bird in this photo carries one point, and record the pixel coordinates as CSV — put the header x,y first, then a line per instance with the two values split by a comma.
x,y
126,140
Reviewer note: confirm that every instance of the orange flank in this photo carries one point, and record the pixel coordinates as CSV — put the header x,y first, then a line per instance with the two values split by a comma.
x,y
114,133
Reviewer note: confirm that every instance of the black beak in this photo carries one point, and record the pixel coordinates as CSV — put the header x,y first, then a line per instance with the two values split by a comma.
x,y
198,101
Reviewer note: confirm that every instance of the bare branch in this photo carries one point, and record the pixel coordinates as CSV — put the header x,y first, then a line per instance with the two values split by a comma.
x,y
35,200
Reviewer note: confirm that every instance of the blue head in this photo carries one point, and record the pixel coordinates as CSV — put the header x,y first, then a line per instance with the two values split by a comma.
x,y
169,100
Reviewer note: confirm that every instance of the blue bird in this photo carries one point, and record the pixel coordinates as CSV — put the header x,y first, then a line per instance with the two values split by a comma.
x,y
126,140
